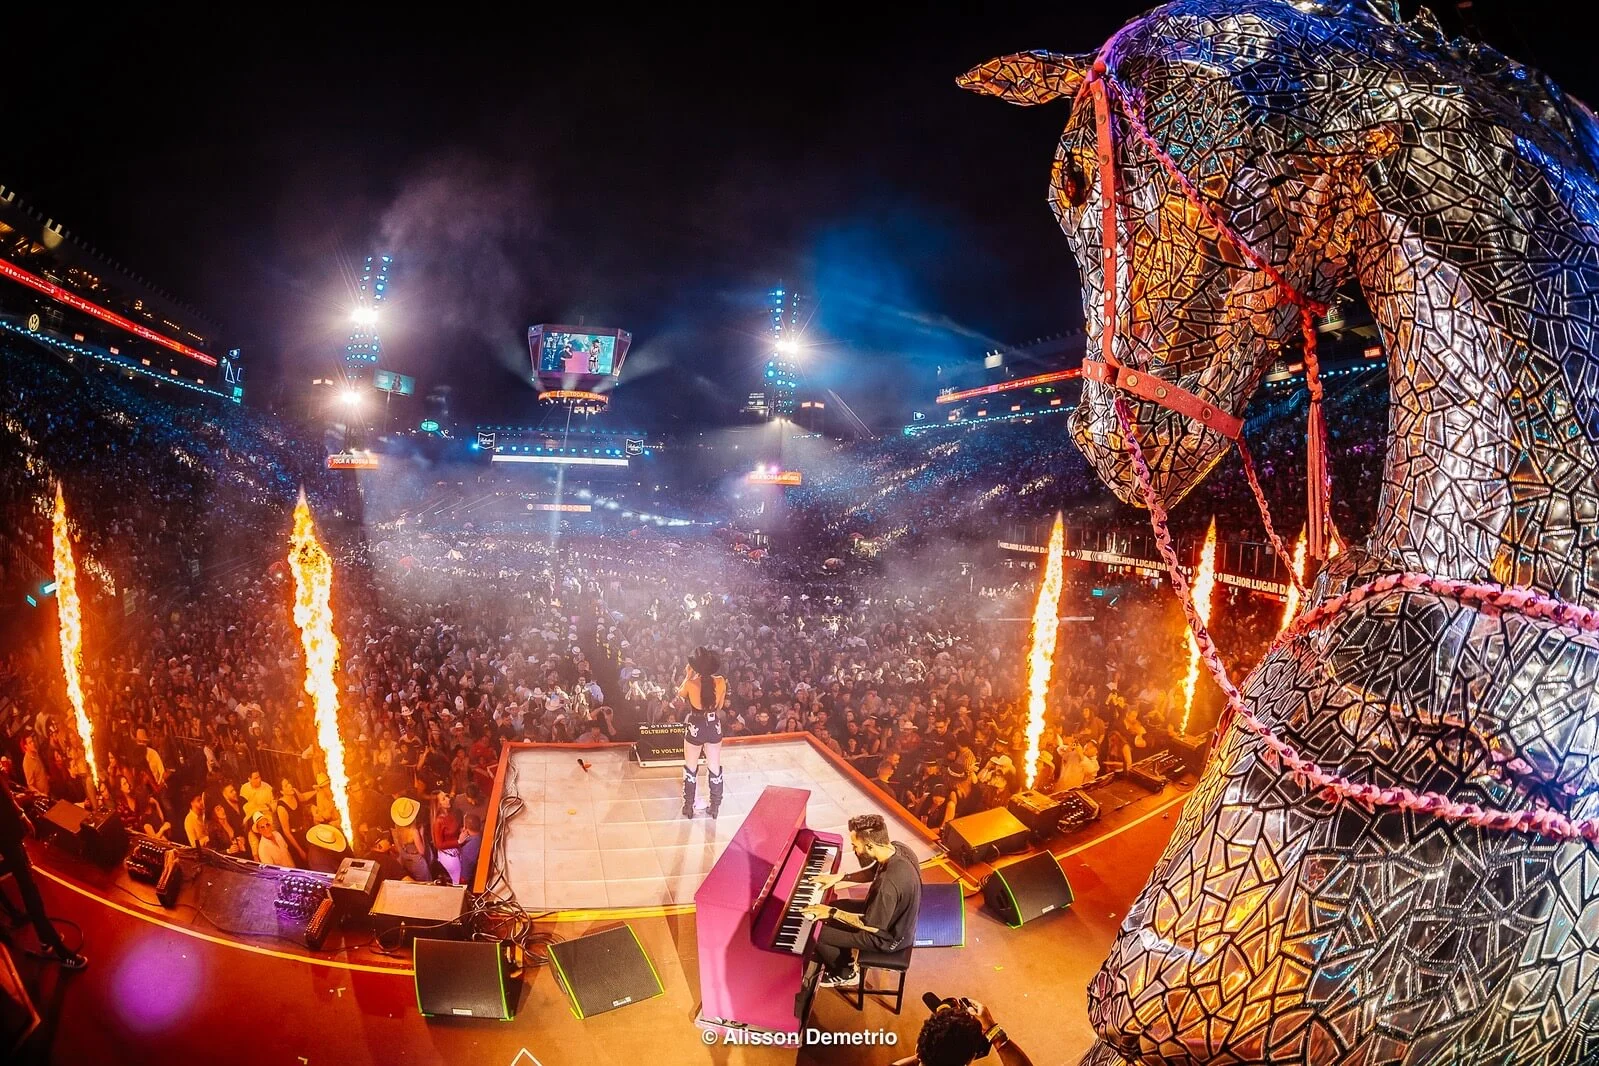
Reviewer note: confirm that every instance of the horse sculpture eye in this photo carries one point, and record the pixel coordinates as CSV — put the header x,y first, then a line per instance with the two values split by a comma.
x,y
1073,184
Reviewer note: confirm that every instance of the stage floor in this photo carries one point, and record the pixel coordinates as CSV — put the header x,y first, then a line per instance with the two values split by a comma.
x,y
158,990
613,836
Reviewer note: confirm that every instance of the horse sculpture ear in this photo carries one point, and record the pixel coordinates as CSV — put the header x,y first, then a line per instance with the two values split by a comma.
x,y
1028,78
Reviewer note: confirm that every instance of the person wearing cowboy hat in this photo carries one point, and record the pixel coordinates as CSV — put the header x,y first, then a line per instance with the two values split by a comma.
x,y
410,846
701,703
324,809
325,848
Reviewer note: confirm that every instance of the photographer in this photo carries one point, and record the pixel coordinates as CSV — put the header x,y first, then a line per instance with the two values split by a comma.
x,y
959,1032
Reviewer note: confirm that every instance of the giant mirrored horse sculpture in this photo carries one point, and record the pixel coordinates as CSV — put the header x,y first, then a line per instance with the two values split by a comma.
x,y
1285,923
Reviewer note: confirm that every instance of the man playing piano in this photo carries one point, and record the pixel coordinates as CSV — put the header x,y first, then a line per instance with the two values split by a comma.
x,y
885,920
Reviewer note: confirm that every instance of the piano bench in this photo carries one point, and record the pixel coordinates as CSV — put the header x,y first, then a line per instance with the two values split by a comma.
x,y
896,961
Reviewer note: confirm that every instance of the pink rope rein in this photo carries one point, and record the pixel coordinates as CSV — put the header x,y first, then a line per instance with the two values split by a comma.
x,y
1277,545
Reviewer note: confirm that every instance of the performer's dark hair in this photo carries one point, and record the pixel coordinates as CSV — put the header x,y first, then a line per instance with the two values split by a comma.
x,y
870,828
951,1037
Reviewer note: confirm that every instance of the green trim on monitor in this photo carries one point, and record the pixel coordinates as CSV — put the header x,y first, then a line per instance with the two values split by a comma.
x,y
660,989
499,969
963,920
1015,910
560,975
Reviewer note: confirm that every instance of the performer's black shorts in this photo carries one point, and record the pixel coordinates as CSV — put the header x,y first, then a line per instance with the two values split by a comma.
x,y
702,728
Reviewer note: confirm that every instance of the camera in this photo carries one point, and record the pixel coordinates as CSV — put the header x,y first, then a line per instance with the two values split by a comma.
x,y
935,1004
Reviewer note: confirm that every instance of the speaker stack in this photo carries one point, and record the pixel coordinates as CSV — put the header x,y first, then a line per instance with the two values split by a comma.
x,y
1027,889
604,971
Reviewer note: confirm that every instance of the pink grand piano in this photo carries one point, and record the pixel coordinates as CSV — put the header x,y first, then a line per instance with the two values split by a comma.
x,y
754,944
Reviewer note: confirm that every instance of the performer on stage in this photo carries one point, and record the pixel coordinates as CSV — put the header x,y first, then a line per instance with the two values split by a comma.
x,y
885,920
702,726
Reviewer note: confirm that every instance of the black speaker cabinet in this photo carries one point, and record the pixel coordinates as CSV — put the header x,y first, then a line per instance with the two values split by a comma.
x,y
604,971
97,836
105,841
461,978
984,836
941,922
1027,888
1191,750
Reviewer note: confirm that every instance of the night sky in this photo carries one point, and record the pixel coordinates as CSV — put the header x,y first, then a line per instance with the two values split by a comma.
x,y
654,175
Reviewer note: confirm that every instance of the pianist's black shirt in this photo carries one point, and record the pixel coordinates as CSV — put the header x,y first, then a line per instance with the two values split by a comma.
x,y
894,899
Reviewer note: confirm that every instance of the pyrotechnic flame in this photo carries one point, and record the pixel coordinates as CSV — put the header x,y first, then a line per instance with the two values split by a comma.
x,y
1046,629
70,614
313,613
1291,608
1204,583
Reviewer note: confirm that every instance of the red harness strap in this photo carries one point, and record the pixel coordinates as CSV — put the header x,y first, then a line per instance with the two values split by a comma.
x,y
1110,372
1162,392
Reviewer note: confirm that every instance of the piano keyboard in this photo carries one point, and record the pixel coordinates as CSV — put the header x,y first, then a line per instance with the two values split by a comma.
x,y
794,932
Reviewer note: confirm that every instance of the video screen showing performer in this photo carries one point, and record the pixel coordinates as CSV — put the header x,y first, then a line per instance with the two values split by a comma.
x,y
702,696
579,354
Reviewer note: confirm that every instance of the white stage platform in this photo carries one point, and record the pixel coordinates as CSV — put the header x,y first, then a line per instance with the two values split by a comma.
x,y
614,836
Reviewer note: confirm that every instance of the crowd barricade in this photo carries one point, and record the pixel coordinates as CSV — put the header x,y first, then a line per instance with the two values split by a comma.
x,y
275,765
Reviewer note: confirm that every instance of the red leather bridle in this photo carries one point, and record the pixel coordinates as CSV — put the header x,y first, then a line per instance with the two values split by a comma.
x,y
1107,370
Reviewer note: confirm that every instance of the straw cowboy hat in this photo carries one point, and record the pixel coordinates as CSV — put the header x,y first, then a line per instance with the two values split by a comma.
x,y
325,836
404,811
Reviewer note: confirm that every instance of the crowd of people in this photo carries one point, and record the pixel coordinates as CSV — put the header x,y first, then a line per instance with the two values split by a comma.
x,y
457,639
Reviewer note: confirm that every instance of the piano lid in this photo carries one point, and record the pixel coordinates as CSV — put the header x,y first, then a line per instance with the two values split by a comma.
x,y
757,850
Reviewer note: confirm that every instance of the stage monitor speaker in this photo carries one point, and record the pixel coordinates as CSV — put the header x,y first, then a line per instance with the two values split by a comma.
x,y
355,886
1028,888
461,978
171,880
604,971
416,908
941,922
984,836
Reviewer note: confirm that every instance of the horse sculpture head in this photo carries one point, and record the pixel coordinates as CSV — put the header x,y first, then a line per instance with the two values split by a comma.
x,y
1241,103
1262,154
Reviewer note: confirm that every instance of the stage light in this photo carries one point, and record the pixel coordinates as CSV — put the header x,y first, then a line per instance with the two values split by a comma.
x,y
788,347
364,316
352,397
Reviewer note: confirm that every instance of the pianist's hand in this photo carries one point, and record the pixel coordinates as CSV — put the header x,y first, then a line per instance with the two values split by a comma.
x,y
826,880
817,911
